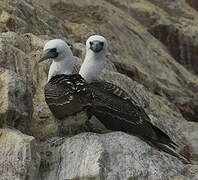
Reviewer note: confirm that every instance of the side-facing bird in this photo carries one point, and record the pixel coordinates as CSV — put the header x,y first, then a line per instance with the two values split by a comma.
x,y
65,93
113,106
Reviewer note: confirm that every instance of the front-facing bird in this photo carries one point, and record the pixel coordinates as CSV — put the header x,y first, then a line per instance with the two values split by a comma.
x,y
96,47
113,106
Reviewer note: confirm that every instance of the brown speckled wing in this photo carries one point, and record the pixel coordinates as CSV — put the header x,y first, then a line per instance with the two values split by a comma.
x,y
66,95
118,112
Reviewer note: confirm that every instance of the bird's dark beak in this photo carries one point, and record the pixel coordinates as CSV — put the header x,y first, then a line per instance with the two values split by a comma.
x,y
96,46
51,53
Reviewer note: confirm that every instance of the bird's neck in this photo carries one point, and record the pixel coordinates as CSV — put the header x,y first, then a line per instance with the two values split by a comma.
x,y
92,66
62,66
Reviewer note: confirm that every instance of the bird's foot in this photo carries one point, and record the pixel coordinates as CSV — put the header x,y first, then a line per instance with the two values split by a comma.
x,y
59,132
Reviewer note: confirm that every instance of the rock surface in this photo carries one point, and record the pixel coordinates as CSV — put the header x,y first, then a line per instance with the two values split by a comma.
x,y
109,156
19,158
16,101
152,55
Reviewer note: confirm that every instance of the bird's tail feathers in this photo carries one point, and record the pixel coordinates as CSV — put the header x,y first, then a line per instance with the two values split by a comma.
x,y
163,138
170,149
168,142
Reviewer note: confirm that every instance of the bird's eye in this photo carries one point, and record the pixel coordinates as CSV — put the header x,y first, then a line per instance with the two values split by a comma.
x,y
91,43
53,50
102,44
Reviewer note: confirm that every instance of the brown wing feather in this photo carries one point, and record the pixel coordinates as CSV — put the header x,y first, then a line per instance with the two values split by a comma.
x,y
66,95
117,111
109,96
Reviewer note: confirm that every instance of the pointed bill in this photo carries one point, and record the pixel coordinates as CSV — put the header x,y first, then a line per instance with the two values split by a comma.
x,y
48,54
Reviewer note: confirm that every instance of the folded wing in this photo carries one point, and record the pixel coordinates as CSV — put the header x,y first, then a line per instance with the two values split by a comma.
x,y
119,112
66,95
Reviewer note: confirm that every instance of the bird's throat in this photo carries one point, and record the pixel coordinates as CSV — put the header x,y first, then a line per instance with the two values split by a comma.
x,y
64,66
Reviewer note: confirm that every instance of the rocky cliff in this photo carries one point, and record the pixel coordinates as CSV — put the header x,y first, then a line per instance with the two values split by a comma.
x,y
152,55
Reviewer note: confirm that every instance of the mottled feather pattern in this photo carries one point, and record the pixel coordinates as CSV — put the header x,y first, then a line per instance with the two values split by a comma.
x,y
116,90
117,111
70,94
109,103
113,97
66,95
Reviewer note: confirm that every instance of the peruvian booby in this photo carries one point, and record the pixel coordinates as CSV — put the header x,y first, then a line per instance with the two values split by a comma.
x,y
113,106
65,93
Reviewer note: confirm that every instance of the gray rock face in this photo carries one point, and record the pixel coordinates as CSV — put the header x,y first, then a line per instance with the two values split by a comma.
x,y
109,156
19,158
16,101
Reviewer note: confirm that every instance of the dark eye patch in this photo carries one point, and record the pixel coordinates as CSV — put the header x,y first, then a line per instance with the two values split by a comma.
x,y
102,43
53,50
53,53
91,43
